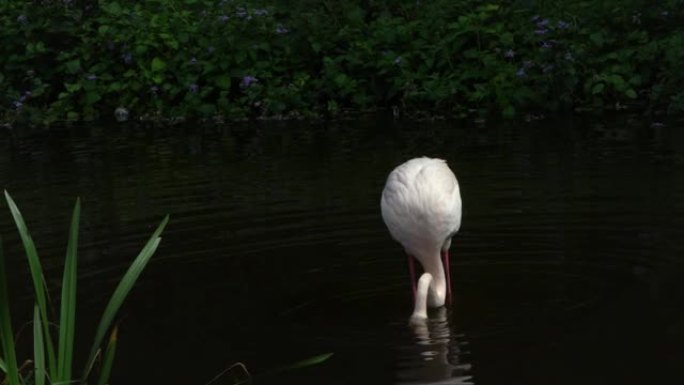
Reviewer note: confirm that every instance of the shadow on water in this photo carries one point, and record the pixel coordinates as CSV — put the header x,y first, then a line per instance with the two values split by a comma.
x,y
568,268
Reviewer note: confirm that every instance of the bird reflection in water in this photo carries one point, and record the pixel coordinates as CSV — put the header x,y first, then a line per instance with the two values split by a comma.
x,y
438,355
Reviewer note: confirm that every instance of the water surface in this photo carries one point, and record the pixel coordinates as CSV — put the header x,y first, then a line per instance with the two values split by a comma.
x,y
568,268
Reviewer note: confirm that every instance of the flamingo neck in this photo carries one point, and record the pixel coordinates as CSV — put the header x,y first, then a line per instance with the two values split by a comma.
x,y
431,289
437,289
422,291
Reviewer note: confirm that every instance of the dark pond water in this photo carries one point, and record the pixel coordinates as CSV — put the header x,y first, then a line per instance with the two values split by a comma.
x,y
568,268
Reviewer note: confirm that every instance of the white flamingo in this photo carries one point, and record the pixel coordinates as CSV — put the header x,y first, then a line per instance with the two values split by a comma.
x,y
421,206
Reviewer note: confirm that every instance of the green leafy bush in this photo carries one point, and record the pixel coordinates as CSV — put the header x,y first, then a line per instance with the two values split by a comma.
x,y
81,60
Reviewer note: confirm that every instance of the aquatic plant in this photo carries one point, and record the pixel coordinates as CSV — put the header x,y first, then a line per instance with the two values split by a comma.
x,y
263,58
54,362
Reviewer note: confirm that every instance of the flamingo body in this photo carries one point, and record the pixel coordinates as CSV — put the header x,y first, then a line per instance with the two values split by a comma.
x,y
421,206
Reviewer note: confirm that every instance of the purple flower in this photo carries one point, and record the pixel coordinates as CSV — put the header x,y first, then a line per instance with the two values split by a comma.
x,y
260,12
546,44
18,104
22,19
28,93
91,77
241,13
154,90
397,60
127,58
193,88
280,29
224,18
509,54
193,61
248,81
521,73
563,25
541,31
542,23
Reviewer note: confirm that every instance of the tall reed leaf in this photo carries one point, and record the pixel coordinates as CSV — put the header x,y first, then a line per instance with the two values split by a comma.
x,y
108,358
3,366
6,335
38,348
67,313
38,279
122,291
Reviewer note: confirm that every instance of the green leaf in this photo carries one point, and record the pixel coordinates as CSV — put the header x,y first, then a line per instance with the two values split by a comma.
x,y
116,86
3,366
114,8
158,64
617,81
72,115
491,7
92,97
341,80
108,358
597,38
67,313
223,82
6,334
597,88
73,66
38,348
38,278
122,290
72,87
631,93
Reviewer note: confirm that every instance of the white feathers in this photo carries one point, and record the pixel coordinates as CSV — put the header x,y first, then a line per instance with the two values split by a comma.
x,y
421,206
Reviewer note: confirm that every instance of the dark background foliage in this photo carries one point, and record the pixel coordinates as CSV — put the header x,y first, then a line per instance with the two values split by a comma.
x,y
81,60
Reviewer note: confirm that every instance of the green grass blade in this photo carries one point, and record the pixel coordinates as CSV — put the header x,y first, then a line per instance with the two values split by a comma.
x,y
38,348
6,335
67,313
122,291
38,279
311,361
3,366
108,358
